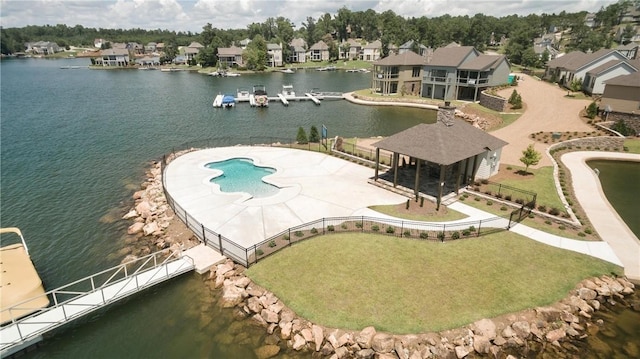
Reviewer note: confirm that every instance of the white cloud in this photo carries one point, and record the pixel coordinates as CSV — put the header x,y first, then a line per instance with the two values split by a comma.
x,y
192,15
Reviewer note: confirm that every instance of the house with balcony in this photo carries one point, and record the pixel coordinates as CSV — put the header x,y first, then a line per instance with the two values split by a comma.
x,y
298,52
398,74
372,51
274,55
462,72
42,48
230,56
114,57
150,47
630,50
319,51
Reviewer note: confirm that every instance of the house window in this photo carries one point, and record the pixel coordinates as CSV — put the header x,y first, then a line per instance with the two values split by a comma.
x,y
438,75
415,72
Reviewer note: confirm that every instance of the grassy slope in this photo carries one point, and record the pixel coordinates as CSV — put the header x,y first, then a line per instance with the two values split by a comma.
x,y
397,285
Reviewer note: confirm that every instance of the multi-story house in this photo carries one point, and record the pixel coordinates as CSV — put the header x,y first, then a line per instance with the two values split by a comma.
x,y
298,52
114,57
351,49
319,51
576,64
398,74
372,51
462,72
274,55
230,56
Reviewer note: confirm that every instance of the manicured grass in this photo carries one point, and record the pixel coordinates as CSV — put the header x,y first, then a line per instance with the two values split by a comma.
x,y
393,210
353,280
539,180
633,145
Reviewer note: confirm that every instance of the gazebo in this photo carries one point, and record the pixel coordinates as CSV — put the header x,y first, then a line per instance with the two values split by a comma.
x,y
451,150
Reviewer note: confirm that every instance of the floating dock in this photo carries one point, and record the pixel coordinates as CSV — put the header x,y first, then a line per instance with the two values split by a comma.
x,y
217,101
283,99
312,98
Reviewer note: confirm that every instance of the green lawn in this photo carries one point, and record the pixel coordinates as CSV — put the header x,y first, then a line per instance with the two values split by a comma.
x,y
633,145
353,280
392,210
539,180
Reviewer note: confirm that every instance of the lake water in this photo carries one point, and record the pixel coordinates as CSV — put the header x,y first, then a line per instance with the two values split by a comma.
x,y
75,145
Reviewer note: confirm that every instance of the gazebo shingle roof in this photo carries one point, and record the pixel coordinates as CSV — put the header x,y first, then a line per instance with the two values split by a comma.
x,y
441,144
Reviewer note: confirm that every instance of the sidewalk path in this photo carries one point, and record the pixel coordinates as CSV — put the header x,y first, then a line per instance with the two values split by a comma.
x,y
603,217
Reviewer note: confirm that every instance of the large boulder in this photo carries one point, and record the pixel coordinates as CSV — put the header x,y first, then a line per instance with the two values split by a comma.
x,y
486,328
144,209
481,344
231,296
267,351
383,343
298,342
522,329
135,228
318,336
365,337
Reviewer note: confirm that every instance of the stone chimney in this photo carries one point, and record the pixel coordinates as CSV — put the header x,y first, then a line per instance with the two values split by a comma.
x,y
446,114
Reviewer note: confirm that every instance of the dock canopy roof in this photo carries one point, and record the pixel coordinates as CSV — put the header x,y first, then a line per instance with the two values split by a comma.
x,y
441,143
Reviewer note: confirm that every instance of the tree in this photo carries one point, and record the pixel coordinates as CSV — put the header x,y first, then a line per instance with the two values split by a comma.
x,y
310,31
302,136
314,136
576,85
627,34
255,55
530,157
333,47
207,57
592,110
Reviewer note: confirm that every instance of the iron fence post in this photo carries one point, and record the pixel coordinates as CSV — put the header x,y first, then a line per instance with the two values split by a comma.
x,y
479,225
220,243
204,235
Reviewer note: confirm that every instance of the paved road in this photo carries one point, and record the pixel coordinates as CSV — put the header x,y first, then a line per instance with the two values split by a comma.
x,y
546,110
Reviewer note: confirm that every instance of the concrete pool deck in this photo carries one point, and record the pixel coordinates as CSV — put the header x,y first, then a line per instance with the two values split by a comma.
x,y
314,186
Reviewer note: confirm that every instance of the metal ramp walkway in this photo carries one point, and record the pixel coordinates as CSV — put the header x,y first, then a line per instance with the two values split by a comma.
x,y
86,295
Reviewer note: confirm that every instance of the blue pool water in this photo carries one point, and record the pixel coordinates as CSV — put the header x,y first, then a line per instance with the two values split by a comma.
x,y
241,175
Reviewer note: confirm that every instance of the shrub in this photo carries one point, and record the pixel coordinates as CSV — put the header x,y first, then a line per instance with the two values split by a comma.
x,y
343,226
375,228
542,208
331,228
314,136
285,237
441,236
547,222
424,235
509,168
519,201
407,233
259,252
531,215
484,181
466,233
358,224
272,244
455,235
488,192
580,234
302,136
472,228
498,195
503,208
299,234
508,197
390,230
314,230
489,203
477,199
561,227
465,195
554,211
588,231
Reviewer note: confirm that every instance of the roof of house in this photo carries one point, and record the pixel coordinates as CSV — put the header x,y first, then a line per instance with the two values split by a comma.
x,y
451,56
631,80
196,45
191,50
440,143
298,49
353,42
562,60
320,45
274,47
629,46
375,45
407,58
607,66
298,42
229,51
409,45
116,52
483,63
585,59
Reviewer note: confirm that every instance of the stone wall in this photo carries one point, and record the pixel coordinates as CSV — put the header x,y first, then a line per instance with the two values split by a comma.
x,y
492,102
631,120
533,329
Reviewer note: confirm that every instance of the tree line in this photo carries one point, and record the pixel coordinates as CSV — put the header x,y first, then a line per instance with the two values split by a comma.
x,y
367,25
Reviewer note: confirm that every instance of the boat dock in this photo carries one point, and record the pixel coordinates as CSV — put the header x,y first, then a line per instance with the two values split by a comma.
x,y
285,97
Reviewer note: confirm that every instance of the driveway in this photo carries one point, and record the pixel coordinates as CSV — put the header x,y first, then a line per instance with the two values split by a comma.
x,y
547,110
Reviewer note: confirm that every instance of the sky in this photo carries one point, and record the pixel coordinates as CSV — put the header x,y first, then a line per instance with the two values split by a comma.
x,y
192,15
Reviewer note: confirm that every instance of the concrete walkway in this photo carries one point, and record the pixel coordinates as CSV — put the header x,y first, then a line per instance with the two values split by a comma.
x,y
601,214
313,185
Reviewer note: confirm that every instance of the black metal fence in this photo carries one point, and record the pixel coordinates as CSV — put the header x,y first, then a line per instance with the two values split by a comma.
x,y
247,256
508,193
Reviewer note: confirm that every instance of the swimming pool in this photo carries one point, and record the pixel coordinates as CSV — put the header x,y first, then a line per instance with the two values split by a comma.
x,y
241,175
